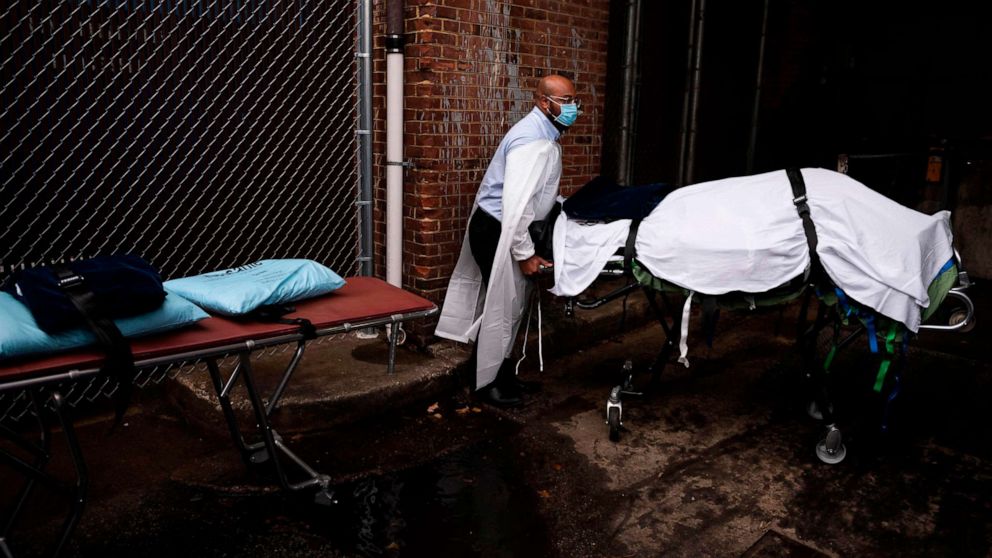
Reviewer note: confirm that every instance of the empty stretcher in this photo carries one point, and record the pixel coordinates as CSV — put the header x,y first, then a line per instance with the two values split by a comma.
x,y
874,268
364,302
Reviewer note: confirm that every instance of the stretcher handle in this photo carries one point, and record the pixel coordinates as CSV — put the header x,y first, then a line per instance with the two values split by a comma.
x,y
958,293
589,304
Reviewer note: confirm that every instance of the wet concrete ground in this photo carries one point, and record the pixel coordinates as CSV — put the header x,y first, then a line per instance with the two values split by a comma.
x,y
717,461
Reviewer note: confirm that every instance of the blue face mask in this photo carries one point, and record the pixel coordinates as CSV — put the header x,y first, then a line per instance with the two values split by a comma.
x,y
568,114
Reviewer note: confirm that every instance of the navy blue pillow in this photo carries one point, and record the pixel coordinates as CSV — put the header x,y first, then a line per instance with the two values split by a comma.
x,y
602,199
20,335
123,285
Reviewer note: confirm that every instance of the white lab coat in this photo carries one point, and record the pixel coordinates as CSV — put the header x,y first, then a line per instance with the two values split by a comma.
x,y
492,319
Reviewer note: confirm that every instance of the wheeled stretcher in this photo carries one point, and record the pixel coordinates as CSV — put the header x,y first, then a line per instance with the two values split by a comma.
x,y
740,244
39,386
666,299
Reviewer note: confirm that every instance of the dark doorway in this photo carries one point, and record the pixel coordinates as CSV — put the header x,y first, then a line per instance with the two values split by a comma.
x,y
838,78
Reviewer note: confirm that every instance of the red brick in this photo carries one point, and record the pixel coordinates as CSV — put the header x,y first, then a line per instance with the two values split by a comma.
x,y
459,102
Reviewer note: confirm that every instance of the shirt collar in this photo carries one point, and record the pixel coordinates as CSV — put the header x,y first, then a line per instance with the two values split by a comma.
x,y
549,129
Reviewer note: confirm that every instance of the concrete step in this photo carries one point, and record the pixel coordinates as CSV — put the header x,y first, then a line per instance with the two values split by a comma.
x,y
343,379
339,379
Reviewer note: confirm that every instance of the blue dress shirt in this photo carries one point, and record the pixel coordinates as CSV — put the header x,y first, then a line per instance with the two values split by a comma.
x,y
535,126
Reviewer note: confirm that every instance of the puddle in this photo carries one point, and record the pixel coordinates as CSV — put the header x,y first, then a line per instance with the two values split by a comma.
x,y
471,503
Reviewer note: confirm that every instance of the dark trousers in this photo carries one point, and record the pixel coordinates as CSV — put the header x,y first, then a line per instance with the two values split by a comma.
x,y
483,238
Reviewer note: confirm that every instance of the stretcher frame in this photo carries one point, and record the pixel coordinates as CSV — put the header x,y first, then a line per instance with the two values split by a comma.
x,y
45,394
830,448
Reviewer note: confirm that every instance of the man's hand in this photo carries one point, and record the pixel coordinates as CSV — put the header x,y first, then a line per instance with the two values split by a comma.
x,y
533,265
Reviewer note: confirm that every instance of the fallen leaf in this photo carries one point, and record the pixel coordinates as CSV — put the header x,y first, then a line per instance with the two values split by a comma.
x,y
462,411
544,494
476,410
437,416
434,407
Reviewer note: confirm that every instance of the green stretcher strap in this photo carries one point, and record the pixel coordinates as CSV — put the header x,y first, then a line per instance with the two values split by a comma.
x,y
830,358
833,348
883,368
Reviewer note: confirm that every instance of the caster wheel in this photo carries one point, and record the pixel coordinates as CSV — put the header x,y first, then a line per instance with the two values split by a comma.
x,y
960,316
400,335
613,419
830,449
324,498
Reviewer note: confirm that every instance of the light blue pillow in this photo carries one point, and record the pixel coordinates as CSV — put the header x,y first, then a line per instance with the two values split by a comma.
x,y
20,334
240,290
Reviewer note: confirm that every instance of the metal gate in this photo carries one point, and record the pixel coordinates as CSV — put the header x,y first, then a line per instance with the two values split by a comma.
x,y
199,134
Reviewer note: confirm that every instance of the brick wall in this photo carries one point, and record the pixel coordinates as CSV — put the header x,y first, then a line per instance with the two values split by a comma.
x,y
470,71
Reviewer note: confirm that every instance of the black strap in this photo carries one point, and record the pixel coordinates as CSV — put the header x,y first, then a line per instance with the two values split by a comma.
x,y
629,249
275,313
119,363
711,313
802,206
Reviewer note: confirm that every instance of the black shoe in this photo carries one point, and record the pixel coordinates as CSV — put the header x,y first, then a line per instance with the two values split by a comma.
x,y
500,398
523,386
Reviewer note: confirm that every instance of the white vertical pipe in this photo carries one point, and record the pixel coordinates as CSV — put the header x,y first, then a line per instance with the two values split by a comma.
x,y
394,168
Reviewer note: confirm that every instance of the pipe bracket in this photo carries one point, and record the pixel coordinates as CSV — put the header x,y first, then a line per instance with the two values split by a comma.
x,y
395,43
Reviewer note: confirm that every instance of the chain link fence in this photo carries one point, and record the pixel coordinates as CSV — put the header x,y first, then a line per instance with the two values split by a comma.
x,y
198,134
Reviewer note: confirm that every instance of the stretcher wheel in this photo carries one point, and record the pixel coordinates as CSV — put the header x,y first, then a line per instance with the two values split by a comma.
x,y
959,316
400,335
831,449
325,498
613,419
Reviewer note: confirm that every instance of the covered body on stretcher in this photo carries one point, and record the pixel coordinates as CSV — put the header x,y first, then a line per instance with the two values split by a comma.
x,y
741,241
744,234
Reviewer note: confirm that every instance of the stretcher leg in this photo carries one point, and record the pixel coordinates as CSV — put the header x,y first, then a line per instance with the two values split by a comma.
x,y
672,333
34,471
614,414
223,395
614,403
261,421
271,445
394,329
78,493
284,381
830,449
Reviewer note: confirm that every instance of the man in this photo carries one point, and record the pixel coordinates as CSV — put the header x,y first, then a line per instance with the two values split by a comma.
x,y
489,286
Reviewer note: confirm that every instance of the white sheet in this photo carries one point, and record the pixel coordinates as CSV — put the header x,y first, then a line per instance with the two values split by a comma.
x,y
744,234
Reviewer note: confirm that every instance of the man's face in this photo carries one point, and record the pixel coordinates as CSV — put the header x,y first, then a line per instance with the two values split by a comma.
x,y
558,93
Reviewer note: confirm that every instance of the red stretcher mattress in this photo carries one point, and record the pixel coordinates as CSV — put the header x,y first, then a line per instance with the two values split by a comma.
x,y
361,299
